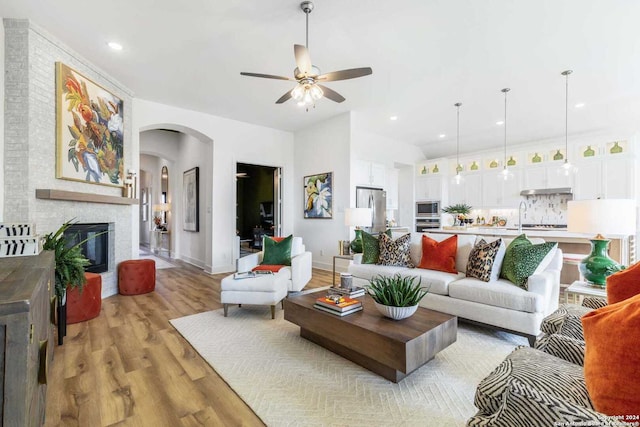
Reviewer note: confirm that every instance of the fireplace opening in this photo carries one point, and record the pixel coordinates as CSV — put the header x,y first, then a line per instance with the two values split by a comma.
x,y
95,246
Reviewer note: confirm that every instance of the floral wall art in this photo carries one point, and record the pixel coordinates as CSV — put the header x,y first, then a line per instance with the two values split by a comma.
x,y
318,195
89,122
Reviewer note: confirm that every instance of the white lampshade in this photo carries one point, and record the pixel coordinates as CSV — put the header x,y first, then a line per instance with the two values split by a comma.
x,y
358,217
162,207
602,216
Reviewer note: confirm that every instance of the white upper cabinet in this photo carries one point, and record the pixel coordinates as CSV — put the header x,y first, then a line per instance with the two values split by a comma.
x,y
605,171
429,188
369,174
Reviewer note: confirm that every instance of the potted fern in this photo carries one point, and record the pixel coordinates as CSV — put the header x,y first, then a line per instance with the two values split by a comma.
x,y
396,297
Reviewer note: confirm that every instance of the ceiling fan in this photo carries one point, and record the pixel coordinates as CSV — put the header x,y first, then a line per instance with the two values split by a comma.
x,y
308,76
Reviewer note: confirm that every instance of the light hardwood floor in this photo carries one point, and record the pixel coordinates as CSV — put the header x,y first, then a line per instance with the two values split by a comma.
x,y
130,367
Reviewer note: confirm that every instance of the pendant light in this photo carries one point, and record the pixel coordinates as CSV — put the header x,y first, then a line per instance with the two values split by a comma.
x,y
567,169
458,179
505,174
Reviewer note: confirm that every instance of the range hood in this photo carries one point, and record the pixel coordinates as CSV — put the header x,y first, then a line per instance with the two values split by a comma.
x,y
539,191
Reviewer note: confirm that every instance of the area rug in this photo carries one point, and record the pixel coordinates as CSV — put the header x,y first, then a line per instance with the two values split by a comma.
x,y
289,381
160,263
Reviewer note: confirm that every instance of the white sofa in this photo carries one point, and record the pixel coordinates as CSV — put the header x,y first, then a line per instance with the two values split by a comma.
x,y
499,304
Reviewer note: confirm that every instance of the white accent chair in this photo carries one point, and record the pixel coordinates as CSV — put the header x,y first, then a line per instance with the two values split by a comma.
x,y
267,289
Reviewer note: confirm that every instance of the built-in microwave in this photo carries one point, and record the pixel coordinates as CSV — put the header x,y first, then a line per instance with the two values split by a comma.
x,y
427,208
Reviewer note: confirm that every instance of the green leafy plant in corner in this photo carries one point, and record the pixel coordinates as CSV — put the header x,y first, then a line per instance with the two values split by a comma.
x,y
460,208
396,291
70,262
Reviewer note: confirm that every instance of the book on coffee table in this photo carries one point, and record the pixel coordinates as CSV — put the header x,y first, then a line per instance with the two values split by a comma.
x,y
341,305
338,313
353,292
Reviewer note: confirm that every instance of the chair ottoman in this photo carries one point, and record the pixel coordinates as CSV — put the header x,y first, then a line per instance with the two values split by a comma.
x,y
136,276
267,289
85,305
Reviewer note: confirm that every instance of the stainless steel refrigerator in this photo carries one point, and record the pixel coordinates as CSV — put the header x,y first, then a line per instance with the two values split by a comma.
x,y
375,199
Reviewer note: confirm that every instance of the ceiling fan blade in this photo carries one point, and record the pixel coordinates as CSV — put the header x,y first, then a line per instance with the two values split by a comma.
x,y
284,98
303,61
331,94
266,76
345,74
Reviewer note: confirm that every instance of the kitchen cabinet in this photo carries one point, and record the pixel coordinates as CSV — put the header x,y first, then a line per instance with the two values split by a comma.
x,y
369,174
498,193
607,177
589,181
429,188
26,337
546,176
469,192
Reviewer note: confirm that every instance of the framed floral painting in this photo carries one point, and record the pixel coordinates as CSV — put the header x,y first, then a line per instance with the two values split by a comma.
x,y
89,130
318,195
191,199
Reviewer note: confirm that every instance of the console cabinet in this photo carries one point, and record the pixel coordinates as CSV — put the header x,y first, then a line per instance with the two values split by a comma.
x,y
26,337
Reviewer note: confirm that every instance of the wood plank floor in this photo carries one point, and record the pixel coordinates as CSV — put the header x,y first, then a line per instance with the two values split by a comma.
x,y
130,367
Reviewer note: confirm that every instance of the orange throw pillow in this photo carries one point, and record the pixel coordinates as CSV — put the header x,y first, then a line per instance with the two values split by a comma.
x,y
623,284
612,359
267,267
439,256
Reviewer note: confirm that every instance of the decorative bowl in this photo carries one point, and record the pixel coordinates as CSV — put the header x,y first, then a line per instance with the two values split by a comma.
x,y
396,313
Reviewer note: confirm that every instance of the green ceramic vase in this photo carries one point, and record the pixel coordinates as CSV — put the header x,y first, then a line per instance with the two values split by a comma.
x,y
356,243
596,267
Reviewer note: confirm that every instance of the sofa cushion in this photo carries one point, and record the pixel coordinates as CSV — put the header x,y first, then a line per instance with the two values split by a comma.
x,y
371,247
437,281
277,252
368,271
497,263
612,359
522,259
535,369
482,260
523,405
440,256
500,293
623,284
395,252
466,242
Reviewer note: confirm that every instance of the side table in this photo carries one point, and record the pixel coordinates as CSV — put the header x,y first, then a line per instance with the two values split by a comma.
x,y
582,288
333,276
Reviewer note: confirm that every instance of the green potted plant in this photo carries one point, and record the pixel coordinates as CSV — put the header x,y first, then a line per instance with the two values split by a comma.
x,y
70,266
396,296
459,211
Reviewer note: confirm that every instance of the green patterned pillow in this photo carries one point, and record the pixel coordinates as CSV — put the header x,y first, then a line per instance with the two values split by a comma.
x,y
522,258
277,252
371,247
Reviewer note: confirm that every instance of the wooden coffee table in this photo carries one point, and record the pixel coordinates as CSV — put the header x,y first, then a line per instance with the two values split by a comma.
x,y
390,348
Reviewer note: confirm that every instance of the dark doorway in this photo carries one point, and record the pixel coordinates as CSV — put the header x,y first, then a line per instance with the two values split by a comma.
x,y
257,212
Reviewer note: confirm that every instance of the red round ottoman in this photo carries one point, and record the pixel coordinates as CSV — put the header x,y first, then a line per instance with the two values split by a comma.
x,y
136,276
85,305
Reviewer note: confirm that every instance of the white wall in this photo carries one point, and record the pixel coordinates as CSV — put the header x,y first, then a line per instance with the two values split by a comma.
x,y
2,123
323,148
233,142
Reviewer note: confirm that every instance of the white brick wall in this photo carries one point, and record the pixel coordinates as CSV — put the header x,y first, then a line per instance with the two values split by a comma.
x,y
30,141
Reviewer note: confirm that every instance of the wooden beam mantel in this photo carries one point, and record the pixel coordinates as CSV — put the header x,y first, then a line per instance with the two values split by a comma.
x,y
74,196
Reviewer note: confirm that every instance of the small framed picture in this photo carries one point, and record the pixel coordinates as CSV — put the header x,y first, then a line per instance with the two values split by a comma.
x,y
191,199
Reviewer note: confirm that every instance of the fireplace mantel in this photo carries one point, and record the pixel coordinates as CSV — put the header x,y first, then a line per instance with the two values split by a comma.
x,y
74,196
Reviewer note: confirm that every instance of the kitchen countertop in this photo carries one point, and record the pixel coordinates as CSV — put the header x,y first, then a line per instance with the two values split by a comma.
x,y
533,232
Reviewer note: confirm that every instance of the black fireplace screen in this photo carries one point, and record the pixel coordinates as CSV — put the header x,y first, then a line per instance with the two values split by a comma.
x,y
96,245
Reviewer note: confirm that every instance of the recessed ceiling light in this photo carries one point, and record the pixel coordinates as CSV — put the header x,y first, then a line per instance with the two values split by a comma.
x,y
500,122
393,118
442,135
115,46
579,105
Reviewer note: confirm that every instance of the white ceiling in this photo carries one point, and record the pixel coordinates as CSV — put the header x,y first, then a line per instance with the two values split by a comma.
x,y
425,54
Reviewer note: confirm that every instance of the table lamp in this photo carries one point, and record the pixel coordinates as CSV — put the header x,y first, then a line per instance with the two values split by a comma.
x,y
602,216
163,208
358,217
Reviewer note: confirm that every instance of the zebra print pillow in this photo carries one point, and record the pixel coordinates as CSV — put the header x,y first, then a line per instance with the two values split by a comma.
x,y
553,323
537,369
528,406
564,347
